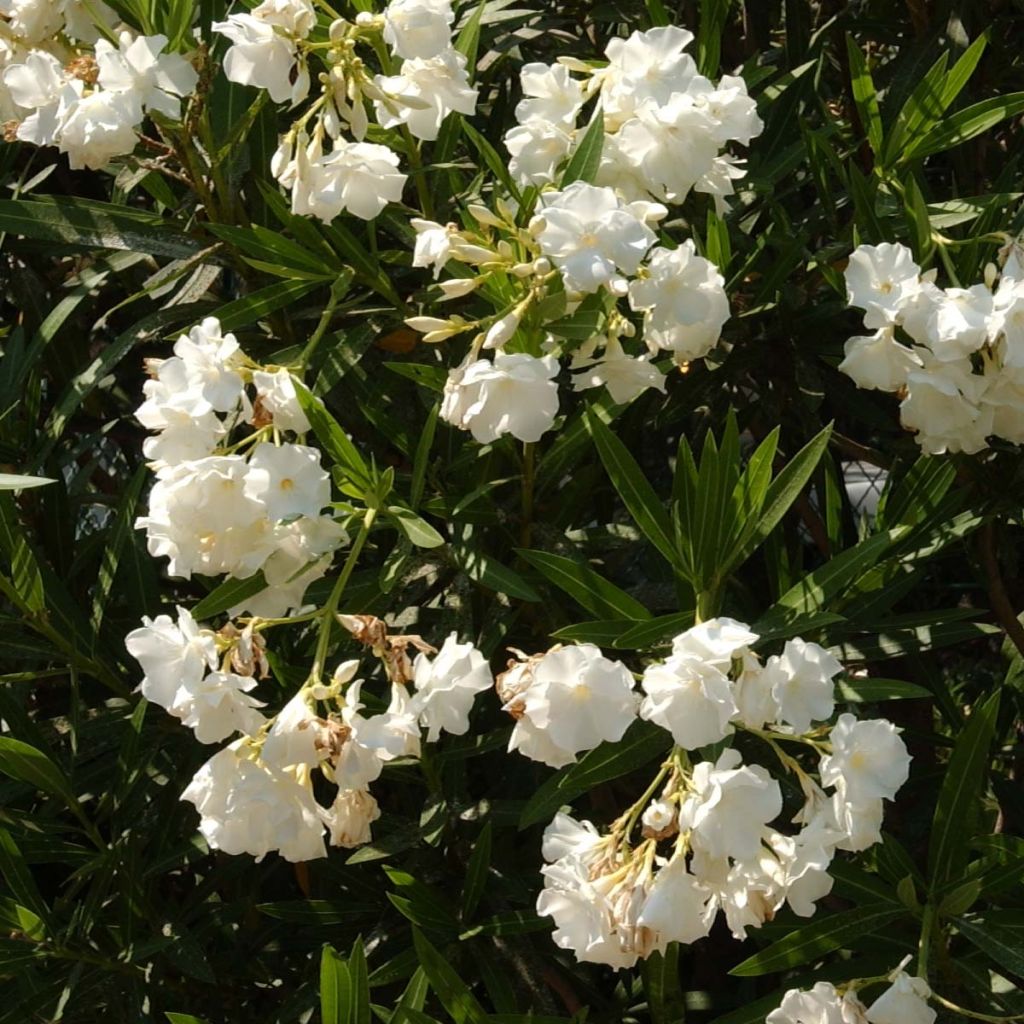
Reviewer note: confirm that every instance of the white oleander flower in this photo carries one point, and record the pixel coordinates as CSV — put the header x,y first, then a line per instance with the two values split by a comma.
x,y
717,641
944,407
623,375
515,394
860,822
801,681
433,247
658,815
96,128
868,756
287,480
87,22
200,518
279,811
184,437
551,95
360,177
302,552
729,804
218,706
731,110
752,690
537,148
447,685
578,698
591,235
277,396
676,908
418,28
879,361
821,1005
37,85
139,66
375,740
437,87
173,654
33,21
682,296
1007,321
296,737
960,323
690,698
671,147
882,280
349,818
905,1001
594,907
647,68
264,52
211,359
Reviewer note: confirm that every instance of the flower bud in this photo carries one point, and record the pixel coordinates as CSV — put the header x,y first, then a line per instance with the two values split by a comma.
x,y
458,286
501,330
424,324
338,29
542,266
466,252
483,215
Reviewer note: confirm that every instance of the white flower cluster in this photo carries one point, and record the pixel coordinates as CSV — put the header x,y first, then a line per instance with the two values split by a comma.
x,y
218,511
707,839
954,355
90,105
666,125
584,241
326,172
905,1001
256,794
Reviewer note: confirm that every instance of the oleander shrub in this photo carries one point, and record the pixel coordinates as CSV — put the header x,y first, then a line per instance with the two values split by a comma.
x,y
511,510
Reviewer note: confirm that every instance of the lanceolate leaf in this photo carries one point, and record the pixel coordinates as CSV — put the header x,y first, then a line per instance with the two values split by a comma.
x,y
956,812
642,743
820,937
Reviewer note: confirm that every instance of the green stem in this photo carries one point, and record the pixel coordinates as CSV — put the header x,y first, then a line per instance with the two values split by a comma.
x,y
330,610
418,174
321,328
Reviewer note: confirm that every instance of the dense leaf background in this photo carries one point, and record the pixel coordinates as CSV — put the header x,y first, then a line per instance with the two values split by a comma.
x,y
884,121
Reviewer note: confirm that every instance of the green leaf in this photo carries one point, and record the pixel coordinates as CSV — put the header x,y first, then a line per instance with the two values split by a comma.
x,y
318,913
665,996
871,691
513,922
21,761
255,306
818,588
490,573
336,442
453,992
637,494
335,988
603,632
864,96
713,15
359,1012
1004,945
965,124
822,936
228,594
93,225
20,881
183,1018
658,632
657,13
593,592
956,812
641,744
418,530
780,495
477,870
586,158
